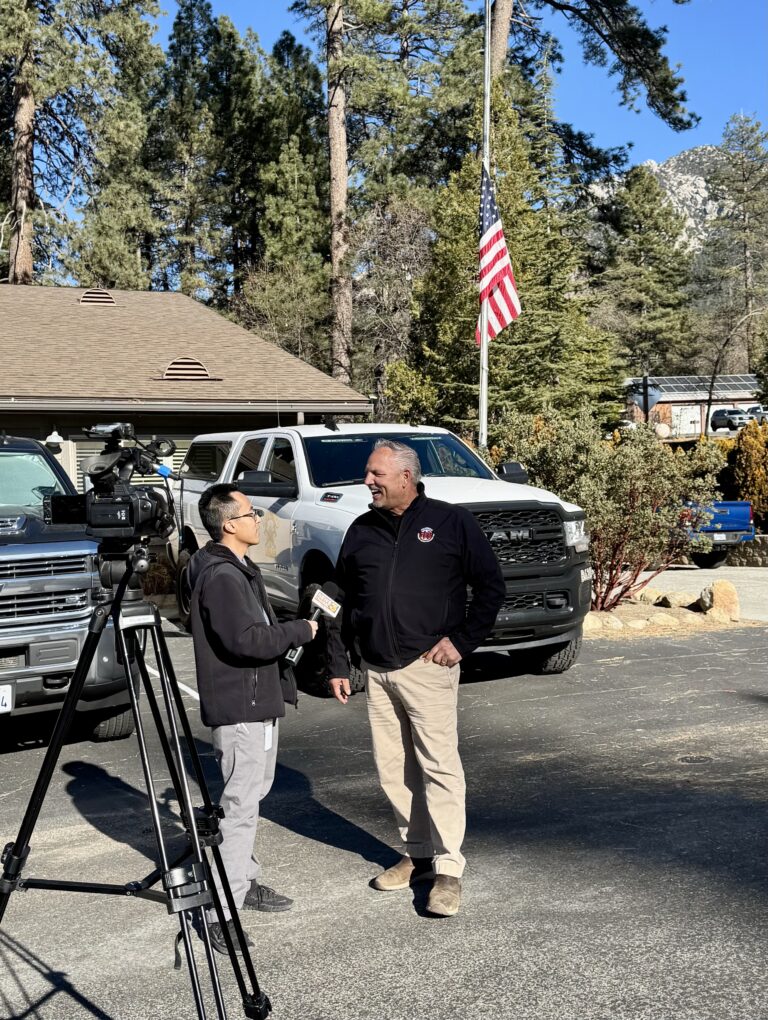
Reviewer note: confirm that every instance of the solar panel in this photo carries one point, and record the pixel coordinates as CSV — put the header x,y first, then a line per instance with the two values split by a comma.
x,y
697,387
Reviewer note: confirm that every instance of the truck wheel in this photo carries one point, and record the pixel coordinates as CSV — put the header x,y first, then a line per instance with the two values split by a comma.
x,y
114,727
710,560
557,658
183,590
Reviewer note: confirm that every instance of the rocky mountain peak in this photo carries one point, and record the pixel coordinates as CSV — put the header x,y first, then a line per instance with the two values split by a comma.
x,y
684,179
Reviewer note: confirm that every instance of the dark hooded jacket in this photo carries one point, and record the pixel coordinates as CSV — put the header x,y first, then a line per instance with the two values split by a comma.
x,y
237,652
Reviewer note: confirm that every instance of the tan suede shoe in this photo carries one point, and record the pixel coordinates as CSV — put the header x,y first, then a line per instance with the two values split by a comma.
x,y
445,896
403,874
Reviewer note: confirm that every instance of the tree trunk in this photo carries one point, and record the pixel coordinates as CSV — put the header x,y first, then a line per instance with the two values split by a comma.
x,y
22,181
501,19
341,280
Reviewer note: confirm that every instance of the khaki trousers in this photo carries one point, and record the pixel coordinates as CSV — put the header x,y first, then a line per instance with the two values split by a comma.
x,y
413,719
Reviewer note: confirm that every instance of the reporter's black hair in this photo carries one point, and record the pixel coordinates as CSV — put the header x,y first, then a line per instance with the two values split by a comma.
x,y
216,506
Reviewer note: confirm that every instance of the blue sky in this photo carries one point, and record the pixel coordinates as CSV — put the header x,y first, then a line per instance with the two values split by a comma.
x,y
723,49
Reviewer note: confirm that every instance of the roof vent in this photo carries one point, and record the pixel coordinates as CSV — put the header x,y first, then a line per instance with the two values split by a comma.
x,y
186,370
96,297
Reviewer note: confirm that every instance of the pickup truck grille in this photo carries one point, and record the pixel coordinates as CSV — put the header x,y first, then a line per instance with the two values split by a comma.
x,y
43,566
39,605
533,535
522,600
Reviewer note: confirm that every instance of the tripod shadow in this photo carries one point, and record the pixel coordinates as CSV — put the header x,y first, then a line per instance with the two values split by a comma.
x,y
121,811
15,958
292,804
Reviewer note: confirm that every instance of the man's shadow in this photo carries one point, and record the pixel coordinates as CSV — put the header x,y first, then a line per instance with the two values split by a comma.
x,y
292,804
121,810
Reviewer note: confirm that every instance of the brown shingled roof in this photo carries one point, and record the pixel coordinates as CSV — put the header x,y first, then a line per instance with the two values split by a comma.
x,y
53,348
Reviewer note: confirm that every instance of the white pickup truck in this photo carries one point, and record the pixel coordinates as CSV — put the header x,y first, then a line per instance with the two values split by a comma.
x,y
309,481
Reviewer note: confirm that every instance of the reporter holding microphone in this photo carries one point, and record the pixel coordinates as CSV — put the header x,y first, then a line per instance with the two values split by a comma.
x,y
238,643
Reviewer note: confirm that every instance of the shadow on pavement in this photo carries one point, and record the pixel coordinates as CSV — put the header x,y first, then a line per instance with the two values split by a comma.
x,y
120,810
292,804
16,962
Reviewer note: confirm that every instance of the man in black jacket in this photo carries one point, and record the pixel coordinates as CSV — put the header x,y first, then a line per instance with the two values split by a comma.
x,y
404,567
238,643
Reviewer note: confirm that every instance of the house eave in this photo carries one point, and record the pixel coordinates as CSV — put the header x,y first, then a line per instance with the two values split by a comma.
x,y
170,406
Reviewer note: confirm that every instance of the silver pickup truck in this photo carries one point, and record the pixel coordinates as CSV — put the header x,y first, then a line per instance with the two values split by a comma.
x,y
48,588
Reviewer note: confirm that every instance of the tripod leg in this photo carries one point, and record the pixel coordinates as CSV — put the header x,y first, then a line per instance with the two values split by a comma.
x,y
15,854
183,885
255,1003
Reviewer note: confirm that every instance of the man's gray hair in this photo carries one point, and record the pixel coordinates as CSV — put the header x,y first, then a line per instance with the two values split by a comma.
x,y
406,456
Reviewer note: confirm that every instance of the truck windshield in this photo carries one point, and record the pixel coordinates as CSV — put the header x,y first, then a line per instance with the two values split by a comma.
x,y
25,478
341,459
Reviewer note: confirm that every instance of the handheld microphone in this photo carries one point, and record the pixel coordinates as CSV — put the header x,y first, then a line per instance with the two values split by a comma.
x,y
324,603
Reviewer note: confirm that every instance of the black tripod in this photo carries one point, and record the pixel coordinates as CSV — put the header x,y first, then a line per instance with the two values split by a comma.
x,y
187,879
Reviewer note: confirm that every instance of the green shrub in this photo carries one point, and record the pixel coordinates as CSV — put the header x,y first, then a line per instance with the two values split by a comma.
x,y
750,469
636,492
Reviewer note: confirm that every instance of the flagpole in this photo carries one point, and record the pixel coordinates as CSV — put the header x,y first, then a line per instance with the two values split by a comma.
x,y
482,436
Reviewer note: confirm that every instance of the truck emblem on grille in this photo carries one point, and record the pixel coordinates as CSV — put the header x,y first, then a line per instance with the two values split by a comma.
x,y
512,535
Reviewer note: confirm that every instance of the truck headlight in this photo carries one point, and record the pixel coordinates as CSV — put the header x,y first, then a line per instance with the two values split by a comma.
x,y
576,535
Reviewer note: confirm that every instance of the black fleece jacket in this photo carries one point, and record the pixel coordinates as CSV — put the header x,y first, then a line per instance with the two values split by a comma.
x,y
236,650
405,585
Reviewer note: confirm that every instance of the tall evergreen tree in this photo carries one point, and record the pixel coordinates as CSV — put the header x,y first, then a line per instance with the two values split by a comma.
x,y
735,260
550,355
641,292
182,154
62,64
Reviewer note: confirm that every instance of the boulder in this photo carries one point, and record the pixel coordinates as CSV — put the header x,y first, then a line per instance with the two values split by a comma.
x,y
717,616
592,623
649,595
692,619
665,620
637,624
676,600
723,597
611,622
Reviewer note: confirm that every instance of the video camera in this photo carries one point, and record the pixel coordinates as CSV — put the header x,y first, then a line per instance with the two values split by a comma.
x,y
113,508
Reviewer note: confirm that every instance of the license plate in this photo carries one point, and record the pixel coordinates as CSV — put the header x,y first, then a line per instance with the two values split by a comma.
x,y
6,698
587,573
718,537
12,661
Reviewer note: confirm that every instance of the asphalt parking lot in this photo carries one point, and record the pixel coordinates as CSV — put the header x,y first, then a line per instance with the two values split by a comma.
x,y
618,818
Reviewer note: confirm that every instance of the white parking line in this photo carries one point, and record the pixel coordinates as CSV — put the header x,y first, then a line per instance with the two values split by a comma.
x,y
187,690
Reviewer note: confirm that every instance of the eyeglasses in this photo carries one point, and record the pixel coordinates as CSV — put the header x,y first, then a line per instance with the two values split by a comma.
x,y
251,513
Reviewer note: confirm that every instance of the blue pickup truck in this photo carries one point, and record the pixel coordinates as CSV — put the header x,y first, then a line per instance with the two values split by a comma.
x,y
731,523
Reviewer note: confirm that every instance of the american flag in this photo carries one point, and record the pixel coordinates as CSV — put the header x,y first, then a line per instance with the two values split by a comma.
x,y
497,281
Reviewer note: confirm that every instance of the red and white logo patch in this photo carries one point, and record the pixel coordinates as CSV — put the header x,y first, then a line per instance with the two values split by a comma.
x,y
425,535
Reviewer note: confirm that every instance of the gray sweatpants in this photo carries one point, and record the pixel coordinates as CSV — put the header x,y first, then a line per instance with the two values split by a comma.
x,y
248,769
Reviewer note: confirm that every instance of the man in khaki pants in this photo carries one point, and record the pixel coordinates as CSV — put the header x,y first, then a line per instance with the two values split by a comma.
x,y
404,568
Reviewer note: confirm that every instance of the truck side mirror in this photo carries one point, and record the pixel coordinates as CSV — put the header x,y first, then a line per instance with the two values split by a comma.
x,y
512,471
260,483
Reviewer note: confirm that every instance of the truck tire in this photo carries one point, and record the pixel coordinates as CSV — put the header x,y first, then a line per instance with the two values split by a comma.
x,y
114,727
312,668
710,560
183,591
557,658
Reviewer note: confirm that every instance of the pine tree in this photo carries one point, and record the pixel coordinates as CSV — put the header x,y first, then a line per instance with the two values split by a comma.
x,y
106,240
550,355
735,260
641,293
181,153
63,64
